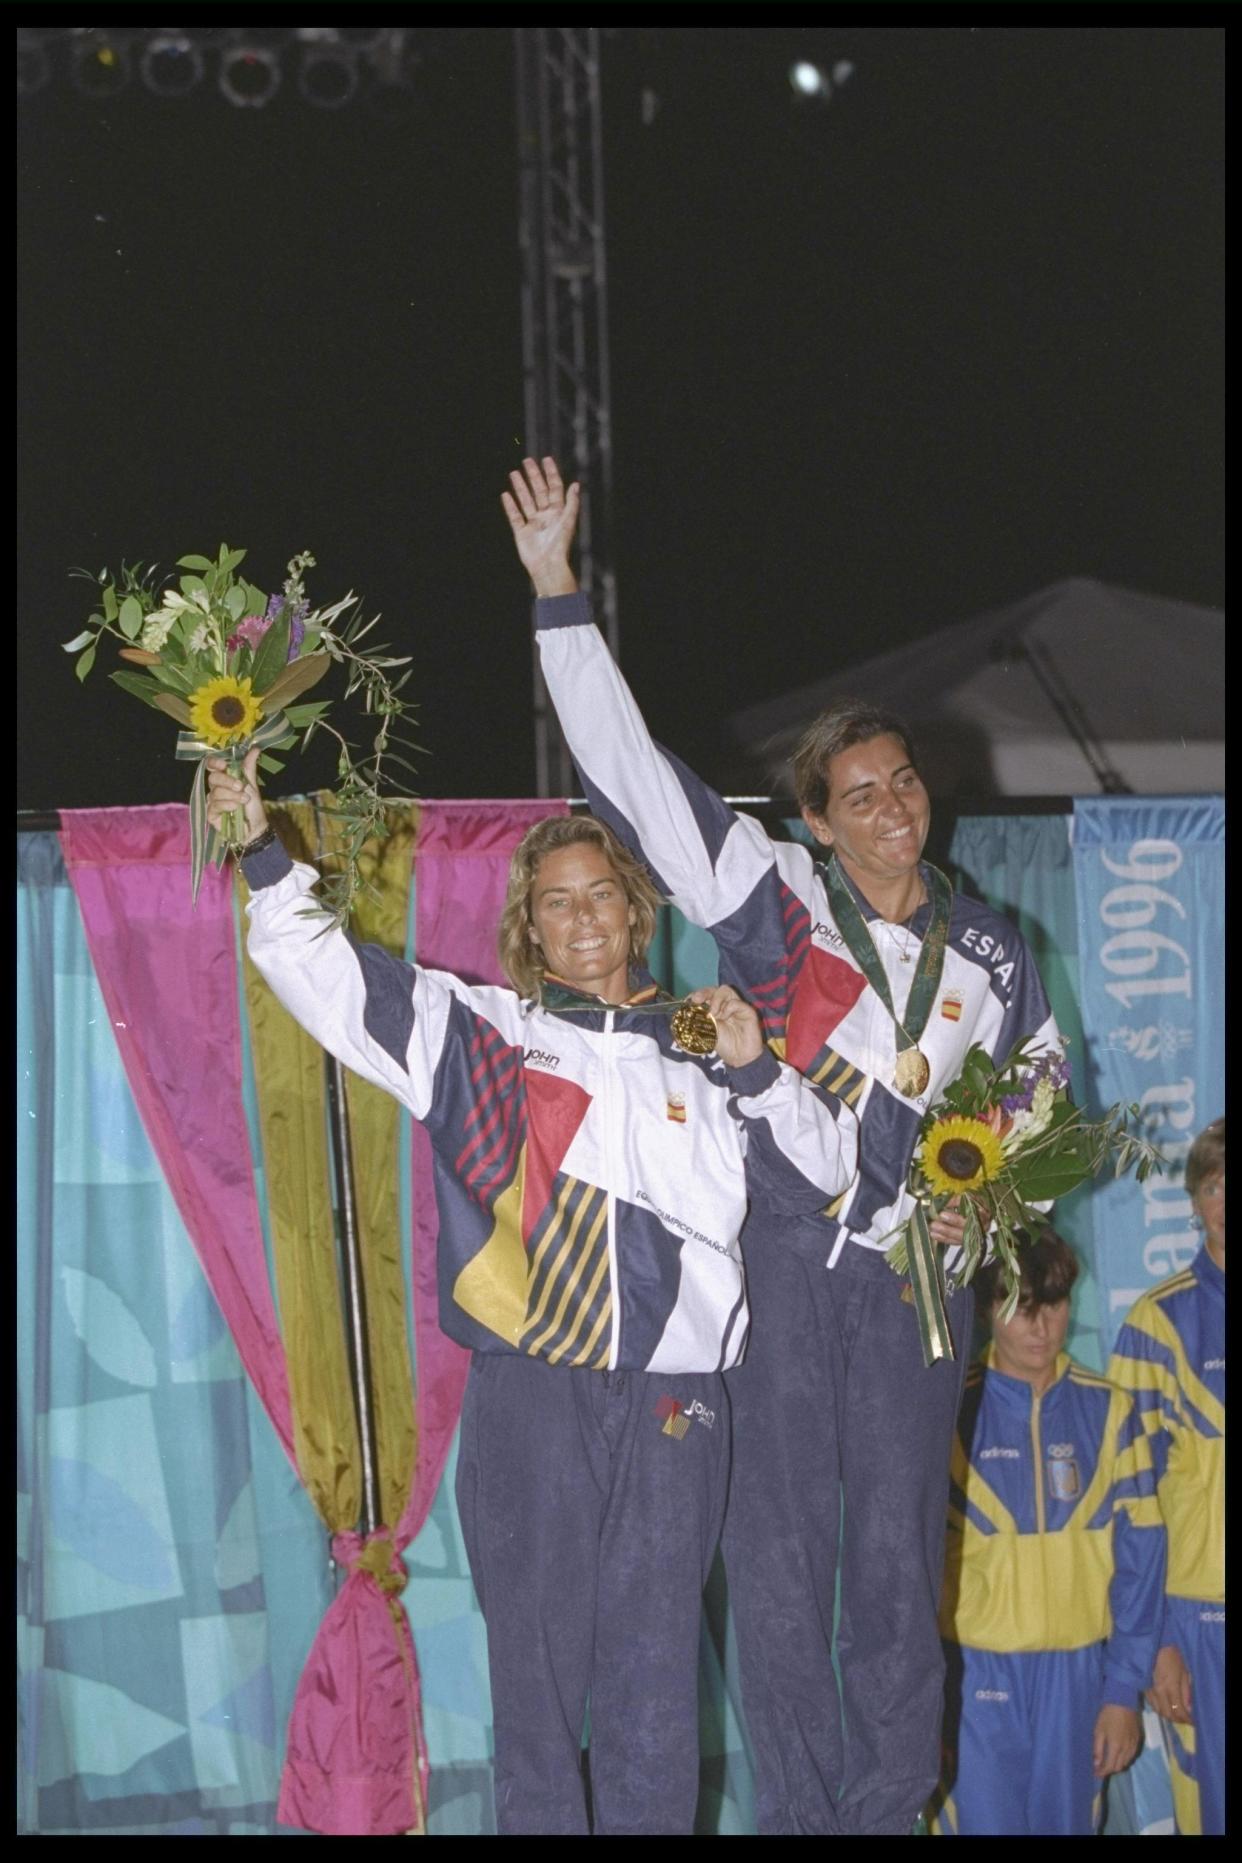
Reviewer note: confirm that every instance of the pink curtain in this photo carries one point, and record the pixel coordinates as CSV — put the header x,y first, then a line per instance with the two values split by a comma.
x,y
168,973
355,1756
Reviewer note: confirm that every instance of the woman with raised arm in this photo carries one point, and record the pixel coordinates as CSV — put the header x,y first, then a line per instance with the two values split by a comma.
x,y
873,978
591,1177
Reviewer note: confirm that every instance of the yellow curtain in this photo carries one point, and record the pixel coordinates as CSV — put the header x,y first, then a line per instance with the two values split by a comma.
x,y
290,1076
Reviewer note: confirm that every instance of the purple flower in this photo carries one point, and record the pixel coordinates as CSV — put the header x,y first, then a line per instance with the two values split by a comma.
x,y
297,622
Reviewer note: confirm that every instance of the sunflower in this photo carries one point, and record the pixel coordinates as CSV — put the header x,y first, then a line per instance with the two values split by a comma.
x,y
224,709
960,1154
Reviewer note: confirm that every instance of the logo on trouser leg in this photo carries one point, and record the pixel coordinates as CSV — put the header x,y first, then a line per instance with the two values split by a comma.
x,y
677,1417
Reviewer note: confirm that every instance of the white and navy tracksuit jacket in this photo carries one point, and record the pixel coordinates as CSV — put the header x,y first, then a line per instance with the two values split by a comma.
x,y
591,1179
765,905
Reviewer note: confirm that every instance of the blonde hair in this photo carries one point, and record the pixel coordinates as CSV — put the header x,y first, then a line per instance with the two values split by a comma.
x,y
520,957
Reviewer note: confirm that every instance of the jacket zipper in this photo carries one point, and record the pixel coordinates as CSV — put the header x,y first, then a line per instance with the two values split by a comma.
x,y
610,1166
1039,1463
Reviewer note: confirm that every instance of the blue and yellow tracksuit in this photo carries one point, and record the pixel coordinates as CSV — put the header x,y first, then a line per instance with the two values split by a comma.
x,y
1171,1354
1051,1606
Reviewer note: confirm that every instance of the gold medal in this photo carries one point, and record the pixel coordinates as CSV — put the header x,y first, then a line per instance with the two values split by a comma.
x,y
911,1073
694,1029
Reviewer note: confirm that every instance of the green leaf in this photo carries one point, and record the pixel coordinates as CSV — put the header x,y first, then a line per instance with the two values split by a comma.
x,y
273,651
192,585
79,640
256,600
269,763
131,617
229,559
173,676
85,664
201,563
300,716
1046,1179
141,687
235,602
109,603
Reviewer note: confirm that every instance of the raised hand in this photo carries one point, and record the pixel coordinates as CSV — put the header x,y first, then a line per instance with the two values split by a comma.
x,y
739,1037
227,794
543,517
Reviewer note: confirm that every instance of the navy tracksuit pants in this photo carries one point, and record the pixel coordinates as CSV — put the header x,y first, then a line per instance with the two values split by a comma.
x,y
591,1504
841,1441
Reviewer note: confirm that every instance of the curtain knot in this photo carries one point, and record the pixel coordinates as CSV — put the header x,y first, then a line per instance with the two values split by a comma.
x,y
374,1554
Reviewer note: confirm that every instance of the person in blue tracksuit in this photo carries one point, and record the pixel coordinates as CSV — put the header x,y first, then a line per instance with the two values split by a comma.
x,y
591,1179
1054,1573
1171,1354
874,978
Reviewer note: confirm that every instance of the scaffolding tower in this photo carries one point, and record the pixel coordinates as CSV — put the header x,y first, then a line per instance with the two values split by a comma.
x,y
564,317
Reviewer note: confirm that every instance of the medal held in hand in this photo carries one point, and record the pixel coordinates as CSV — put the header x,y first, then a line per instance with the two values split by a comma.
x,y
694,1029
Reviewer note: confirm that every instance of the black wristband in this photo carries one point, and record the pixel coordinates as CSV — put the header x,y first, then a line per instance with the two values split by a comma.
x,y
258,844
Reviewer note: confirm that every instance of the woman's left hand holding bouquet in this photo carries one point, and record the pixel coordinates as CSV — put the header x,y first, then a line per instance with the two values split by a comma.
x,y
236,797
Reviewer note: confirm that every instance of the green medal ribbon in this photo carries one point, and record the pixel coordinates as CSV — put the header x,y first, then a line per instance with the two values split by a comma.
x,y
925,1266
930,967
205,843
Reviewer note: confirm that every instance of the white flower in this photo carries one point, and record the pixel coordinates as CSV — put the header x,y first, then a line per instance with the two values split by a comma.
x,y
174,602
199,638
156,631
199,598
1029,1122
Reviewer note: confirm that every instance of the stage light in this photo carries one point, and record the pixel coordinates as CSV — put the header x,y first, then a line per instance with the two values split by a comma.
x,y
328,77
249,76
808,80
100,66
171,65
34,68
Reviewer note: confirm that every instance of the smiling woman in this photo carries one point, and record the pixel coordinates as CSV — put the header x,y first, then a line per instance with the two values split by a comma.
x,y
591,1182
579,908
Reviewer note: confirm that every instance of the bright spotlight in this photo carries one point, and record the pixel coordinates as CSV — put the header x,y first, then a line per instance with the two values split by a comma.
x,y
249,76
808,80
100,66
33,66
171,66
328,77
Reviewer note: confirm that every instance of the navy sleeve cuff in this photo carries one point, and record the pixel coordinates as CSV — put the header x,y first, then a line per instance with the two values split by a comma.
x,y
562,611
270,864
757,1075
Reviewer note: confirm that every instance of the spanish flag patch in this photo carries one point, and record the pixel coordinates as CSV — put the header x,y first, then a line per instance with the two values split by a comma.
x,y
951,1006
677,1108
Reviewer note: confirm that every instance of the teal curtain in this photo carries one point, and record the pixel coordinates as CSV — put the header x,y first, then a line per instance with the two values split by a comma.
x,y
1023,866
171,1573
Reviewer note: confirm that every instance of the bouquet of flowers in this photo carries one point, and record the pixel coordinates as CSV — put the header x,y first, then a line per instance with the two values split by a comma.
x,y
1005,1140
226,662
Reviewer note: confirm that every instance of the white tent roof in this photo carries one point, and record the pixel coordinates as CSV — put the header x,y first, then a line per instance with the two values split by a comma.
x,y
1146,676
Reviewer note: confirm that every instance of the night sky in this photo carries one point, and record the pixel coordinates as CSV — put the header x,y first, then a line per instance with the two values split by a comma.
x,y
876,365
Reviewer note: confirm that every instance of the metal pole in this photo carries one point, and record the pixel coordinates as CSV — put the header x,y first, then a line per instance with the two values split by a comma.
x,y
353,1289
